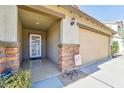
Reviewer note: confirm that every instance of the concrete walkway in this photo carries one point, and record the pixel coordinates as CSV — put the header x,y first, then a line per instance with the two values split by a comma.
x,y
104,74
41,69
108,74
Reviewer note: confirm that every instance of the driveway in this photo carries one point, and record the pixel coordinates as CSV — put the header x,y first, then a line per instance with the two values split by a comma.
x,y
106,74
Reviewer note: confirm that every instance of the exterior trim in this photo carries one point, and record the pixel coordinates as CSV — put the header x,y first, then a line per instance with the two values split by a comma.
x,y
42,9
80,13
109,46
91,29
62,45
8,44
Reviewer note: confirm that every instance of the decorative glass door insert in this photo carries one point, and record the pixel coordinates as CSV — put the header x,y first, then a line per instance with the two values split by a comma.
x,y
35,45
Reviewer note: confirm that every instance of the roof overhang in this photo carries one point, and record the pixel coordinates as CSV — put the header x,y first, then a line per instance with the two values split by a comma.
x,y
42,9
92,29
80,13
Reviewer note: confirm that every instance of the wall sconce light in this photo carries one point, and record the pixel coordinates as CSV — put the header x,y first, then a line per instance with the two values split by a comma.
x,y
72,21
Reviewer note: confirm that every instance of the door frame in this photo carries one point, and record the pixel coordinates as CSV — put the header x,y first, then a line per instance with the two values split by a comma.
x,y
29,46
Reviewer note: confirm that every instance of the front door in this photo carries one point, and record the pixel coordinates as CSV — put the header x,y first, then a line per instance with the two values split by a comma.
x,y
35,49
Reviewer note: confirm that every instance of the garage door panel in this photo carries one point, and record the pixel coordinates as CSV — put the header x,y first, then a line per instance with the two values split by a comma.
x,y
93,46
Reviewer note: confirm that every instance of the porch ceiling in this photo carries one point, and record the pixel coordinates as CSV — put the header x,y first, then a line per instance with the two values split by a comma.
x,y
33,20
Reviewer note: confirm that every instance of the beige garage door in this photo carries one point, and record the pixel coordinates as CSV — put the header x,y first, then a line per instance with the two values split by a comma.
x,y
93,46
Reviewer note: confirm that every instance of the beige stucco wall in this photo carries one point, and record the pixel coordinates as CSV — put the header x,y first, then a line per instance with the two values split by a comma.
x,y
8,23
9,13
52,42
26,42
1,23
66,28
93,46
19,37
68,34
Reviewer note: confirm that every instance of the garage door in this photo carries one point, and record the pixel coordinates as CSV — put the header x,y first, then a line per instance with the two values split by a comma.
x,y
93,46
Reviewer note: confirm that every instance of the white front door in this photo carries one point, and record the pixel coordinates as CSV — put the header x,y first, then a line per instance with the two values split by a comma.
x,y
35,46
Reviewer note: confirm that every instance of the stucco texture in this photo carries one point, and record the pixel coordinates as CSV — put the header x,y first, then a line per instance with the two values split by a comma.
x,y
50,41
93,46
8,23
53,40
66,28
19,37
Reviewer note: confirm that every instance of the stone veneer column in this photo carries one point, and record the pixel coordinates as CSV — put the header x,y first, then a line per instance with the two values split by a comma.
x,y
2,59
9,56
66,55
12,58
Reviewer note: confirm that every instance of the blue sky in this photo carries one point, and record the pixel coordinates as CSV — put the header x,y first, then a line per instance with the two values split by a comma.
x,y
107,13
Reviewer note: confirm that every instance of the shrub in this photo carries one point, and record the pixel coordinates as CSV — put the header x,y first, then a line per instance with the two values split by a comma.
x,y
122,35
21,79
115,47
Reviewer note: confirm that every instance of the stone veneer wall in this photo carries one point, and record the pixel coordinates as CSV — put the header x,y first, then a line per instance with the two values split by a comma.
x,y
66,56
9,56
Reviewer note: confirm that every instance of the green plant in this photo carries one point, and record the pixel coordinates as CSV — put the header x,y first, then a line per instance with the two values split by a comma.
x,y
122,34
21,79
115,47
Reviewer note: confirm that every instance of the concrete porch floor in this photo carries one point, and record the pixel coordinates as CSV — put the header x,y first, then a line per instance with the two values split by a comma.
x,y
102,74
40,69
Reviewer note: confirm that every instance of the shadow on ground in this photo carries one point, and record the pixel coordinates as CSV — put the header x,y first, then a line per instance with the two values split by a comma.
x,y
55,82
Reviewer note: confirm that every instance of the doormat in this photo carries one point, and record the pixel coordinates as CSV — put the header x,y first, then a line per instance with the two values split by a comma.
x,y
71,76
